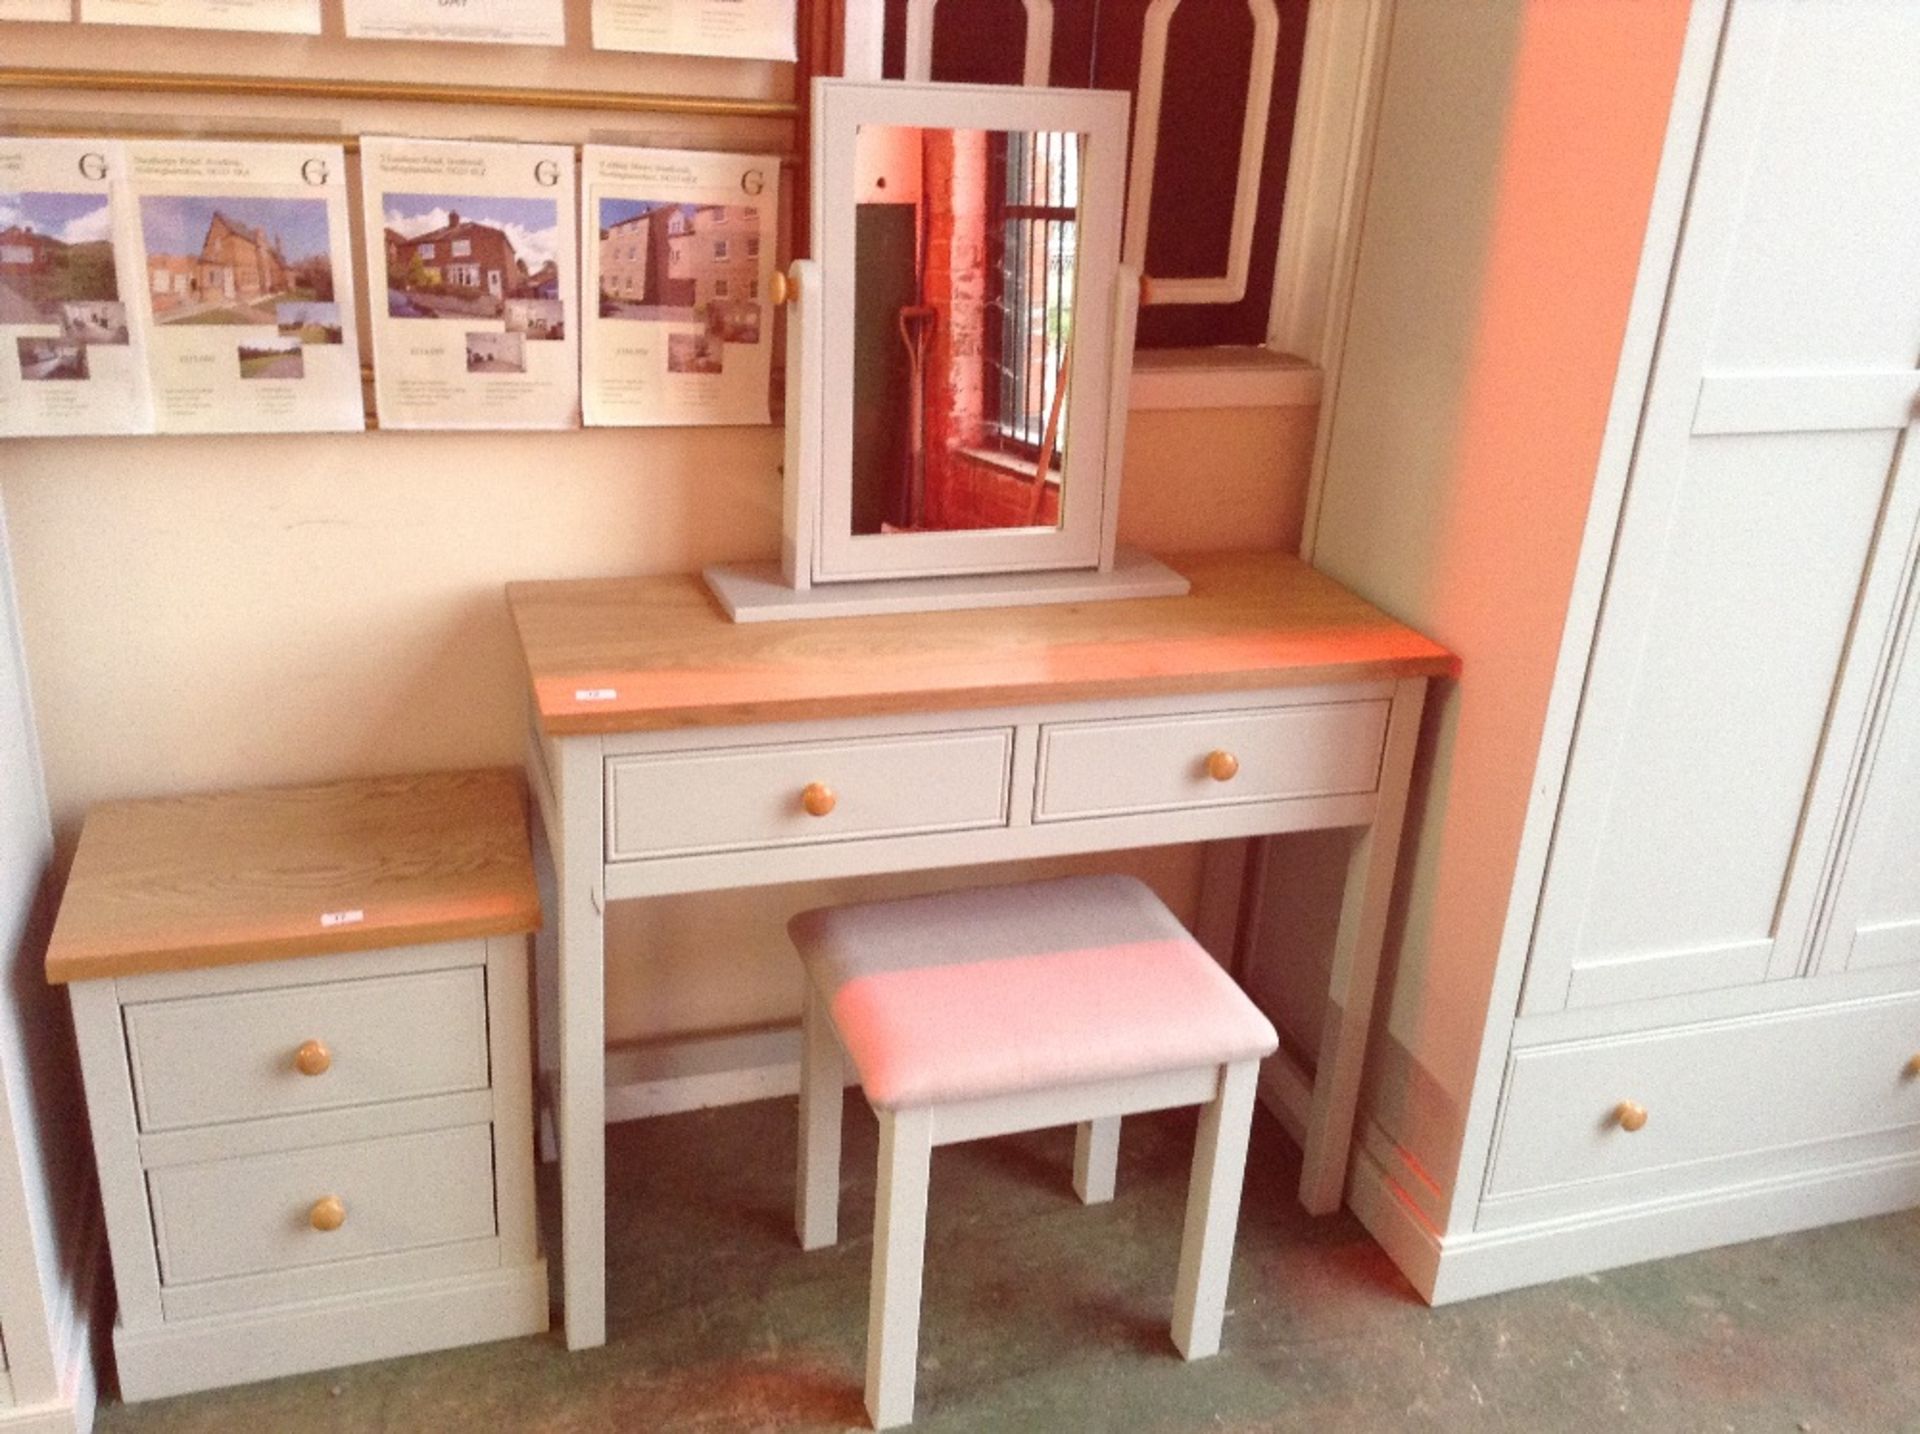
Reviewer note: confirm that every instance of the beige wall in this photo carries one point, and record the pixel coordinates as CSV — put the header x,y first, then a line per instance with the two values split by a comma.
x,y
207,613
1514,166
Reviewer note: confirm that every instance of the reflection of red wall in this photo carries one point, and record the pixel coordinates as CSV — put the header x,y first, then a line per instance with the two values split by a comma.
x,y
981,495
955,283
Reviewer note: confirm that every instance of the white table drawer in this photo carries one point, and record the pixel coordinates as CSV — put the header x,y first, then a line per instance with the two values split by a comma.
x,y
681,803
253,1214
1709,1092
203,1060
1154,764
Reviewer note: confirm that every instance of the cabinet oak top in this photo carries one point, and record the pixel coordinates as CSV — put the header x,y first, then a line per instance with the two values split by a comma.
x,y
640,654
180,883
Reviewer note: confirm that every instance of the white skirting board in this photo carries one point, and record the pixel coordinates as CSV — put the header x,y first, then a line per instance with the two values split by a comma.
x,y
755,592
1448,1268
190,1355
73,1410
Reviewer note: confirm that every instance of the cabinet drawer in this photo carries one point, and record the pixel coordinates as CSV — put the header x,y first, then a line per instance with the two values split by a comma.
x,y
1709,1092
681,803
202,1060
253,1214
1153,764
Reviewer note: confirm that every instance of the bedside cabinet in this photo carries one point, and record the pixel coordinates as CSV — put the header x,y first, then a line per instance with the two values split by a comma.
x,y
303,1021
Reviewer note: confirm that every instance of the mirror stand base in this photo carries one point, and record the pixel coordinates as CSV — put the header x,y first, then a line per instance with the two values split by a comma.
x,y
755,592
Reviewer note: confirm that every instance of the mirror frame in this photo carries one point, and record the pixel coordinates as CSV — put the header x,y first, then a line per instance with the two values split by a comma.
x,y
1102,359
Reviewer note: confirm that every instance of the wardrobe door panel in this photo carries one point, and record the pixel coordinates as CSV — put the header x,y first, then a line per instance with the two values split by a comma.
x,y
1766,530
1877,914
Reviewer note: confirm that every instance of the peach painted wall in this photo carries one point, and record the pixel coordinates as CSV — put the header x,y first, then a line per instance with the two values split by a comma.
x,y
1517,151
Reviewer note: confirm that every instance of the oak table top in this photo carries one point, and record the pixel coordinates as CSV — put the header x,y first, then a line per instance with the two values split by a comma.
x,y
180,883
644,654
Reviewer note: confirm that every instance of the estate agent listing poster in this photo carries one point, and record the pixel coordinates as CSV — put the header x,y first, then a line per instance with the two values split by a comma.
x,y
735,29
484,22
248,286
476,246
57,10
292,17
680,252
71,356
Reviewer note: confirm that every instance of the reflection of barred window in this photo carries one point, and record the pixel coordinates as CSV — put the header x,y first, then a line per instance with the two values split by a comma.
x,y
719,248
1034,191
720,288
753,246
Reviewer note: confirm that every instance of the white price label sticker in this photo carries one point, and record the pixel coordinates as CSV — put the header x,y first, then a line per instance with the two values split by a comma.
x,y
595,694
341,918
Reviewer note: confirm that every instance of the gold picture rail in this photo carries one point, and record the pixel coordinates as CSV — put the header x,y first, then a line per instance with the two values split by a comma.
x,y
392,92
349,143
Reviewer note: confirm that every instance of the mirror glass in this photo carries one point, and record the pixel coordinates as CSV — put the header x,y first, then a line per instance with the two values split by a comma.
x,y
965,259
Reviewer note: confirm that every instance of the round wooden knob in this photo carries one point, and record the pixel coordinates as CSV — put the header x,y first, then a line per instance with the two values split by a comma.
x,y
313,1059
1222,766
1630,1115
329,1212
1913,1069
818,799
781,289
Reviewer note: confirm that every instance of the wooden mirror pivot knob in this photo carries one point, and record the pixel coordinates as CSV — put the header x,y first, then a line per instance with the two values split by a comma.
x,y
818,799
1630,1115
329,1212
1222,766
781,289
313,1059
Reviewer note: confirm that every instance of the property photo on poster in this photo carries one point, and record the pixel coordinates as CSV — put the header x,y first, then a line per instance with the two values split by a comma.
x,y
56,260
467,256
663,262
234,260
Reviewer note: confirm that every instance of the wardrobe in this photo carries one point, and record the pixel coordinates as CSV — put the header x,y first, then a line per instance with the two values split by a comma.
x,y
1655,978
50,1263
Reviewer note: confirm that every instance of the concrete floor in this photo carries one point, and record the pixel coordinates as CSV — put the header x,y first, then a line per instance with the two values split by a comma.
x,y
1041,1315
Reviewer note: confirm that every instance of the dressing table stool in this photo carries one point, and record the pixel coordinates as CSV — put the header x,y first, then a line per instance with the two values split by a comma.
x,y
304,1034
1000,1009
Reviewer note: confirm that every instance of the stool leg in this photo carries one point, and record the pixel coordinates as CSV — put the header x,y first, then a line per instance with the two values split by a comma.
x,y
822,1092
899,1245
1213,1209
1096,1154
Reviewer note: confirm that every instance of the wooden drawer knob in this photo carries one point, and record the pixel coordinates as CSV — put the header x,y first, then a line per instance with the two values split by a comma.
x,y
313,1059
1630,1115
818,799
1222,766
329,1212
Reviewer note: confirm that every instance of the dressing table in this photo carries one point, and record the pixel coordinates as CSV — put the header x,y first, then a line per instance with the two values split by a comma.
x,y
673,750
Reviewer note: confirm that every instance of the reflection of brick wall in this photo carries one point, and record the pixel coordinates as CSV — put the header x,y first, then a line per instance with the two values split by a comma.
x,y
981,495
955,196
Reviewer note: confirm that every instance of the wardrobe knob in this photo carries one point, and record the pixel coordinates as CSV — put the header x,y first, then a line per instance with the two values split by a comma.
x,y
1222,766
1630,1115
313,1059
781,288
818,799
329,1212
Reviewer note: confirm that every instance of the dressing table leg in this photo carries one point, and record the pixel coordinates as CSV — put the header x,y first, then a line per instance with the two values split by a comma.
x,y
1356,964
581,1103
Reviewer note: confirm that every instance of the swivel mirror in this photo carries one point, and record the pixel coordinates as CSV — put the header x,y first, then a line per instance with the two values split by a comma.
x,y
958,357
